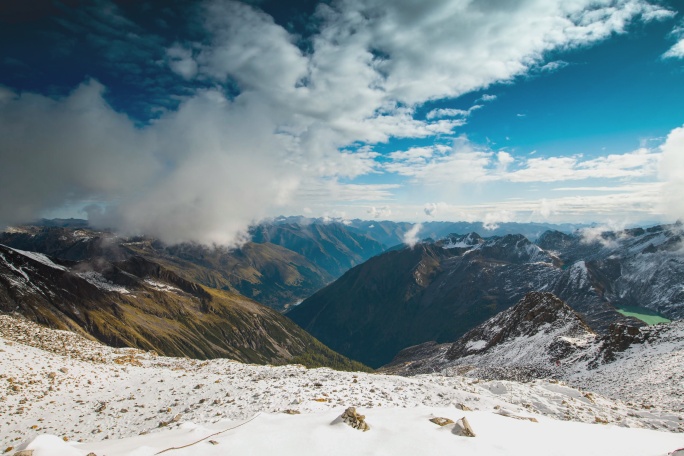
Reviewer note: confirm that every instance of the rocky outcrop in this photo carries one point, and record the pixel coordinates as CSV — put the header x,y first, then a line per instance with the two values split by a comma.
x,y
354,419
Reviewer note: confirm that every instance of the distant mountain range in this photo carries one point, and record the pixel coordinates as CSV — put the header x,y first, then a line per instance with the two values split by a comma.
x,y
283,265
439,290
387,297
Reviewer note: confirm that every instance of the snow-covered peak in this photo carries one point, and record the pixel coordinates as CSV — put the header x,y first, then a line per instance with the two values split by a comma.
x,y
462,241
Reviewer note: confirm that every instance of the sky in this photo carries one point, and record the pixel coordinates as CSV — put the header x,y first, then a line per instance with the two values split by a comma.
x,y
191,120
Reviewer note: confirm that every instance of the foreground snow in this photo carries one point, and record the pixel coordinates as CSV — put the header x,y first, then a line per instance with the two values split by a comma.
x,y
394,432
55,385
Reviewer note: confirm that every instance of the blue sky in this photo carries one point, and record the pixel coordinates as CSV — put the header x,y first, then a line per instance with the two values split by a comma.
x,y
191,120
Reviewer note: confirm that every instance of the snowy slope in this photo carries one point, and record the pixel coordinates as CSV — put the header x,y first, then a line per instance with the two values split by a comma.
x,y
59,389
542,337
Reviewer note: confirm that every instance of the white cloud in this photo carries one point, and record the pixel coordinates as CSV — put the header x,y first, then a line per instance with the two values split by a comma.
x,y
638,164
504,159
676,51
181,62
487,97
411,236
185,175
378,212
672,173
554,66
430,209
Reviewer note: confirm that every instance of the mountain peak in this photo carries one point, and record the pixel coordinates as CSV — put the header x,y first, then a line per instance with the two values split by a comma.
x,y
536,313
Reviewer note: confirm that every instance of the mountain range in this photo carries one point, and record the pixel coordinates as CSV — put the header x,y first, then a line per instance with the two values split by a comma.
x,y
439,290
543,337
138,303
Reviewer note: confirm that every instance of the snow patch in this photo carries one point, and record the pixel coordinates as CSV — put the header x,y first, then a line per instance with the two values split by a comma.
x,y
97,279
476,345
39,257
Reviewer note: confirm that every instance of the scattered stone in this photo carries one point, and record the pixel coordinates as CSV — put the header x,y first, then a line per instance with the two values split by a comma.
x,y
292,412
440,421
24,453
463,407
504,412
213,442
355,420
100,407
64,370
463,428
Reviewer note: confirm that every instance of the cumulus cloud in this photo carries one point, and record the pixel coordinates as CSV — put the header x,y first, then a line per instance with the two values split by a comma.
x,y
181,61
640,163
377,212
676,51
553,66
672,173
492,220
68,150
487,97
411,236
430,209
269,132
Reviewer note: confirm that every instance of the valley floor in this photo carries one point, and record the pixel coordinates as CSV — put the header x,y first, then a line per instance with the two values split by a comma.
x,y
63,395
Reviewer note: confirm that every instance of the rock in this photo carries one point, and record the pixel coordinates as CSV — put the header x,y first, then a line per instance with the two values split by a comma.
x,y
463,407
292,412
64,370
506,413
463,428
355,420
439,421
24,453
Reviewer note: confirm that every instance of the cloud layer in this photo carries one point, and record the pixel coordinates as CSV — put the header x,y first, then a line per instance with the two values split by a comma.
x,y
269,120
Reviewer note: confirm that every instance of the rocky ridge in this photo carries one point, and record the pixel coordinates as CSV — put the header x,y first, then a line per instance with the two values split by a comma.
x,y
542,337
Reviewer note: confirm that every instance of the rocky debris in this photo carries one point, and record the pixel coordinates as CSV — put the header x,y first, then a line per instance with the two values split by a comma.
x,y
463,407
128,359
175,419
162,387
440,421
462,428
24,453
354,419
291,412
